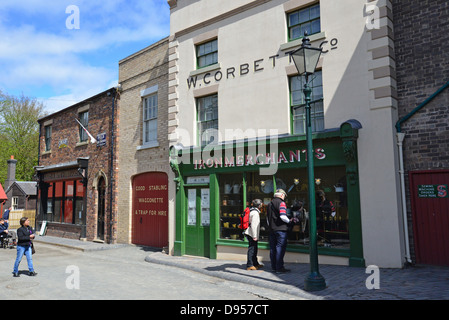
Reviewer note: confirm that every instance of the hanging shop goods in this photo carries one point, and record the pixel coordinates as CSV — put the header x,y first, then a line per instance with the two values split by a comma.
x,y
213,191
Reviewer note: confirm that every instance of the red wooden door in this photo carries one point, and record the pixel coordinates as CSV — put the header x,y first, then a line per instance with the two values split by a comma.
x,y
430,211
150,209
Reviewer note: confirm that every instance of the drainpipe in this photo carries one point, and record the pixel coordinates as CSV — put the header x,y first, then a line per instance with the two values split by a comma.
x,y
401,136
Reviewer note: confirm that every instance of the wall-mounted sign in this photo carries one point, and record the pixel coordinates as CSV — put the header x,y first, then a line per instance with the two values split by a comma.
x,y
62,143
258,65
432,191
101,139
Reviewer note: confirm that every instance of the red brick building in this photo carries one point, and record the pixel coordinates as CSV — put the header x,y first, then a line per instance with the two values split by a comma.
x,y
77,169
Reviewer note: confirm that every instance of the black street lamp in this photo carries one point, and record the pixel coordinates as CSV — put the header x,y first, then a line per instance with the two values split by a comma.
x,y
306,59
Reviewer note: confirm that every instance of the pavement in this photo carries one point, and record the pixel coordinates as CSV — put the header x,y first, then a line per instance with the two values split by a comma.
x,y
342,282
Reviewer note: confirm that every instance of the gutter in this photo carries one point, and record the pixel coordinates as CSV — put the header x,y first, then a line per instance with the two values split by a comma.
x,y
400,137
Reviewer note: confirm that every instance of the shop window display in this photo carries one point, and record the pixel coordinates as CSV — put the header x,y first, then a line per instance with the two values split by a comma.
x,y
231,206
331,203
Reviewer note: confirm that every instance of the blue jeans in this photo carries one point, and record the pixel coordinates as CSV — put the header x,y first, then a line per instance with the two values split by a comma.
x,y
20,251
278,244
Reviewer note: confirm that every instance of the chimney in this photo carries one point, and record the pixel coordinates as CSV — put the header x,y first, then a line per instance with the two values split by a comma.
x,y
11,172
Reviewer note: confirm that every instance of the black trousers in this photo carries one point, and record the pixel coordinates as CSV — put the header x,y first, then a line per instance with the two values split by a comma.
x,y
252,252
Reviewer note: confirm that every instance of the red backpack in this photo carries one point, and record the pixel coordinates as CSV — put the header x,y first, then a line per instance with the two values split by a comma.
x,y
244,219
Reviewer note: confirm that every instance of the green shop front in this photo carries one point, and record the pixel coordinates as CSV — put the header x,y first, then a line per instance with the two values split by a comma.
x,y
215,185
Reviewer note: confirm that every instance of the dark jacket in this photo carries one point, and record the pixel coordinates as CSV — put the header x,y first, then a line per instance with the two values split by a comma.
x,y
3,227
23,236
275,222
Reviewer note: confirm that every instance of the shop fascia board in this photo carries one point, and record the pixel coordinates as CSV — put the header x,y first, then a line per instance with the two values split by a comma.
x,y
327,134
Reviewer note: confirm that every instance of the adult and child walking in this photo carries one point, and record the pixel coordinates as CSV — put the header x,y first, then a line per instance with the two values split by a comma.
x,y
278,225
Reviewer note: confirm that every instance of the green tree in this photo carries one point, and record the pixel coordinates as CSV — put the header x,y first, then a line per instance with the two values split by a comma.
x,y
19,134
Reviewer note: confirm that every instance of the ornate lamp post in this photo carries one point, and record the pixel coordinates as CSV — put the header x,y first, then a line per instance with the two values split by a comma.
x,y
306,59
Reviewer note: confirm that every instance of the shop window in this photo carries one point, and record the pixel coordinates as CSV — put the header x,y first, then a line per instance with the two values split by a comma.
x,y
50,214
332,213
207,53
68,202
331,205
208,119
304,20
231,205
298,103
65,200
79,202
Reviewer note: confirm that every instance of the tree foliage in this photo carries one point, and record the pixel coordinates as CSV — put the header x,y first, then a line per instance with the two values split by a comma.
x,y
19,134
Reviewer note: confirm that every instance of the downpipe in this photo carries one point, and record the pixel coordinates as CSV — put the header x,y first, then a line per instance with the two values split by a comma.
x,y
401,136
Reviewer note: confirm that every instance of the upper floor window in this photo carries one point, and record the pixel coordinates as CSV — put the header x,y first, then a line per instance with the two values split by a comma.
x,y
307,19
150,119
297,103
208,119
84,120
47,138
207,53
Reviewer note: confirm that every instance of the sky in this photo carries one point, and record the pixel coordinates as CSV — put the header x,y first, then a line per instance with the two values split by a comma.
x,y
64,51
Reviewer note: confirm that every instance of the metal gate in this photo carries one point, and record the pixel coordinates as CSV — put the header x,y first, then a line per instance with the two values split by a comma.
x,y
430,212
150,209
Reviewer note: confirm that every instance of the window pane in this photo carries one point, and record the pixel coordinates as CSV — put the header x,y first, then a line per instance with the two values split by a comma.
x,y
306,27
295,32
293,18
315,12
304,15
316,27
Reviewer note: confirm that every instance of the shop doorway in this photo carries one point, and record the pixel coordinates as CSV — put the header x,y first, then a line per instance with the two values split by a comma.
x,y
101,208
430,212
198,222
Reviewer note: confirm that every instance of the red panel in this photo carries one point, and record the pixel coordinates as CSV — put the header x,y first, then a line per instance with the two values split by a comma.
x,y
79,189
431,217
150,209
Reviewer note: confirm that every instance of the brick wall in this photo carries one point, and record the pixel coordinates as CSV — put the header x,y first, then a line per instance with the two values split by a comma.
x,y
142,70
422,67
64,127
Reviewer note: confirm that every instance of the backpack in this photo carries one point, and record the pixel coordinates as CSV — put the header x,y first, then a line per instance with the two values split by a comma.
x,y
244,219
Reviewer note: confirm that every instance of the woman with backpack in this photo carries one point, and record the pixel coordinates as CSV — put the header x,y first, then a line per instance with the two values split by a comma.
x,y
252,235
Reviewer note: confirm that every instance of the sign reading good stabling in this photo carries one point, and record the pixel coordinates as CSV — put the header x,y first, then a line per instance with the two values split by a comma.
x,y
150,209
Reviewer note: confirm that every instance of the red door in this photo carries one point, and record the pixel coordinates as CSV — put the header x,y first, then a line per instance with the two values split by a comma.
x,y
430,212
150,209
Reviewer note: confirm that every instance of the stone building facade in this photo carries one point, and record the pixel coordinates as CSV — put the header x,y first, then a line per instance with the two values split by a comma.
x,y
77,173
248,84
145,176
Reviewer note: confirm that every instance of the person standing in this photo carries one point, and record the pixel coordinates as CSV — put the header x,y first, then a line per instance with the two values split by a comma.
x,y
278,226
25,235
252,235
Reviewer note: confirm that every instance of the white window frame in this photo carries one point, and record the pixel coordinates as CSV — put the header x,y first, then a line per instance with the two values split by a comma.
x,y
149,116
15,203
